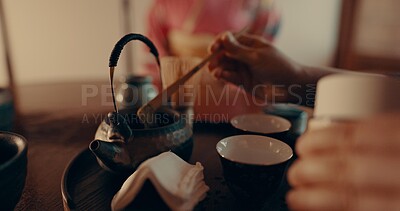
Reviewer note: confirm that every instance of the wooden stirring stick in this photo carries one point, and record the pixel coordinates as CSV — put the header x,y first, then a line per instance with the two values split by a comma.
x,y
147,111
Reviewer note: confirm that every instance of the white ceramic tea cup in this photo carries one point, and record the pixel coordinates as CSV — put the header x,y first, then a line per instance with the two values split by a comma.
x,y
352,97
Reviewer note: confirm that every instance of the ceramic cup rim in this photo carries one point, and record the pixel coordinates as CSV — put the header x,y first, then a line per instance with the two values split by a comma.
x,y
255,138
21,144
286,128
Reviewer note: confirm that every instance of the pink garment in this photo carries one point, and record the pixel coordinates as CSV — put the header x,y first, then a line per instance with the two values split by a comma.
x,y
216,16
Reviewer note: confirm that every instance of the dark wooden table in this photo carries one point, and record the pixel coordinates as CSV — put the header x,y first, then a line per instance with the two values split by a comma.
x,y
53,140
58,124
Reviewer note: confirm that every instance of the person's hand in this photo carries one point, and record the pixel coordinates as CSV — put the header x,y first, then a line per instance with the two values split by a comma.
x,y
348,166
250,60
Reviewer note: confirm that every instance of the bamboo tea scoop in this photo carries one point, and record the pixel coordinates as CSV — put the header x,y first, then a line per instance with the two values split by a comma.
x,y
146,113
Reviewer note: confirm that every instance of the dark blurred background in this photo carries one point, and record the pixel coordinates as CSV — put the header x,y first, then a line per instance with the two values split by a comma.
x,y
70,41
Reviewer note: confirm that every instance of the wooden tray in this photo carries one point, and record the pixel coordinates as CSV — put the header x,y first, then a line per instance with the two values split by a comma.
x,y
85,186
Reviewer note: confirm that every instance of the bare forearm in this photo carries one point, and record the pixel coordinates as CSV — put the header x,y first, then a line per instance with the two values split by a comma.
x,y
302,89
311,75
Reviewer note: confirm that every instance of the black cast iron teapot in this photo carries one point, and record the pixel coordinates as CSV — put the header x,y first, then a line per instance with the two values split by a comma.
x,y
122,142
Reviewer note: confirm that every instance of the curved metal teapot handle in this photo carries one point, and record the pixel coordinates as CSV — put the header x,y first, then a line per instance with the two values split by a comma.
x,y
116,52
127,38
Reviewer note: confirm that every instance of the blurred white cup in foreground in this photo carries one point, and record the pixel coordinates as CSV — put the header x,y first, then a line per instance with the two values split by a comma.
x,y
352,97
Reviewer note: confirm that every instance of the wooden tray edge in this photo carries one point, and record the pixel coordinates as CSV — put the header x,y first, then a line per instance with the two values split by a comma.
x,y
66,198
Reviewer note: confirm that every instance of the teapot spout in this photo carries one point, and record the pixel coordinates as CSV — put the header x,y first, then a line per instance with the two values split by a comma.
x,y
112,155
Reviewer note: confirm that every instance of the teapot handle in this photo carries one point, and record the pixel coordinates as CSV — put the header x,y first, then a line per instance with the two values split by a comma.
x,y
127,38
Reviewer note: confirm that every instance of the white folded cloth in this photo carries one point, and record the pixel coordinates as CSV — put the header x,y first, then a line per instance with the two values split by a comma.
x,y
180,184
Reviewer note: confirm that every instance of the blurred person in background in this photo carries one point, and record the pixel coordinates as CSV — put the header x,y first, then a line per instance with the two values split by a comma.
x,y
185,28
